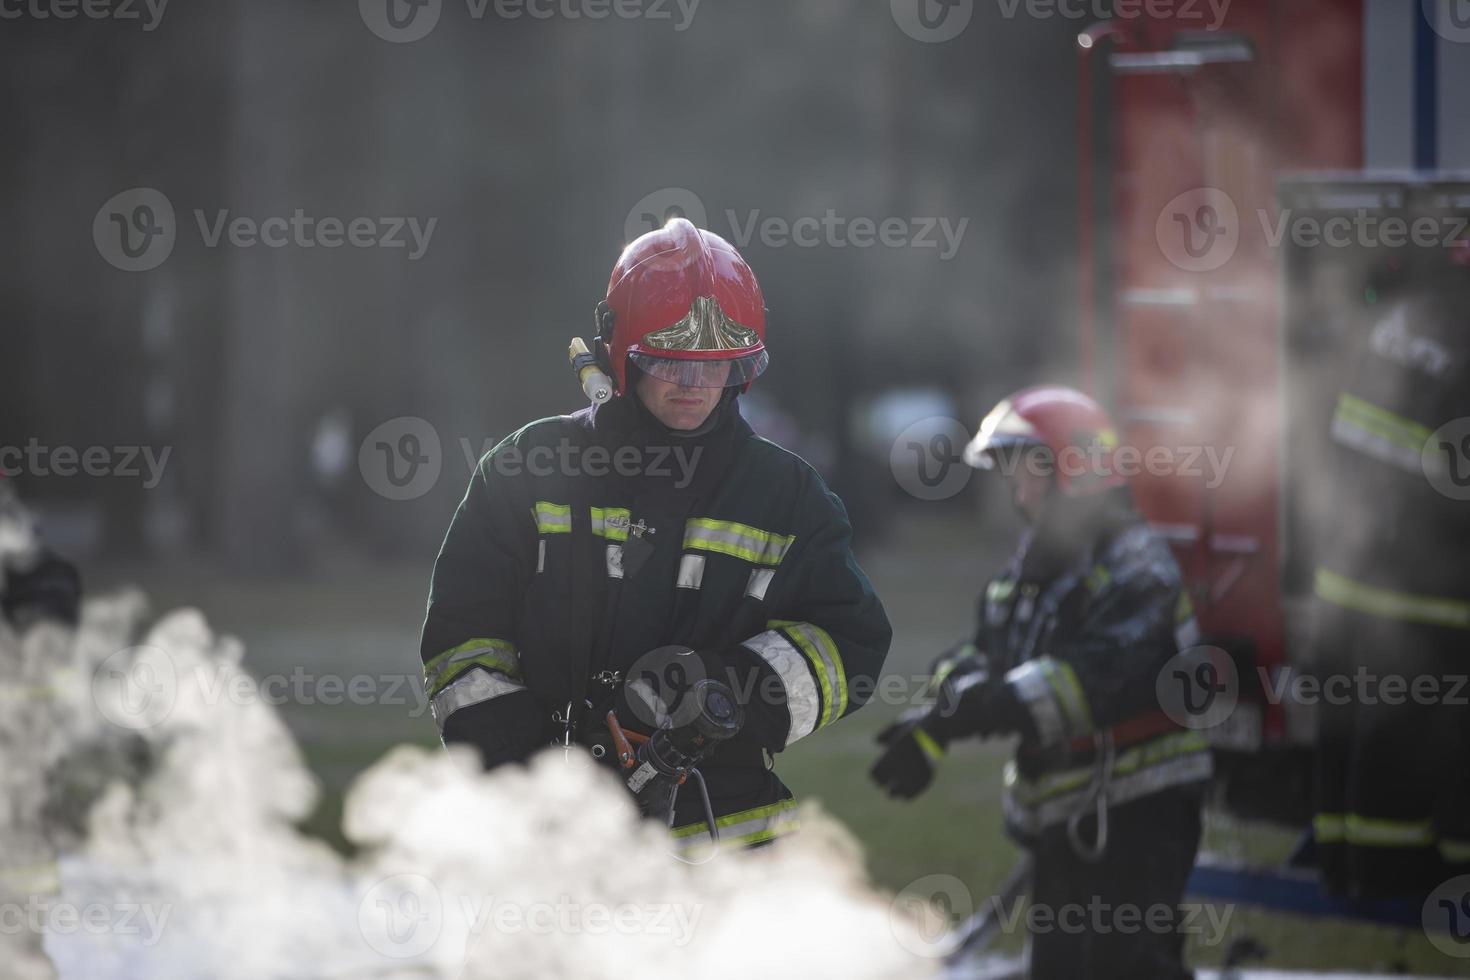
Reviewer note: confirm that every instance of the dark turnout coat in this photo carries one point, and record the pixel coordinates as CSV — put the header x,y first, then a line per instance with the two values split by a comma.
x,y
1082,642
586,541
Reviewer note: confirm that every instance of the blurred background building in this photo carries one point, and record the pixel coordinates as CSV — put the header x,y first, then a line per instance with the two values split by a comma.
x,y
530,142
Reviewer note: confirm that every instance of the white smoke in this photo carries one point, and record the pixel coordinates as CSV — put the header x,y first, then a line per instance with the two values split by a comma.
x,y
150,831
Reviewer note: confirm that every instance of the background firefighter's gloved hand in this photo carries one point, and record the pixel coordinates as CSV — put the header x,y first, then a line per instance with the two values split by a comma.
x,y
911,755
976,703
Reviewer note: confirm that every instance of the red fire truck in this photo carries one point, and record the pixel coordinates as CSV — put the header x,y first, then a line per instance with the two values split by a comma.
x,y
1215,160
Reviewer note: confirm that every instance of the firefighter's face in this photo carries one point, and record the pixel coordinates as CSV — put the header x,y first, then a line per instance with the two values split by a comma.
x,y
1030,485
680,407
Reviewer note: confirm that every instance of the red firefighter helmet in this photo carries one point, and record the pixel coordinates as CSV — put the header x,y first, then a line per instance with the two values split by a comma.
x,y
1072,427
684,307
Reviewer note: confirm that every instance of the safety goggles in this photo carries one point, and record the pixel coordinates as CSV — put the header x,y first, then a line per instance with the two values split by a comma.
x,y
688,373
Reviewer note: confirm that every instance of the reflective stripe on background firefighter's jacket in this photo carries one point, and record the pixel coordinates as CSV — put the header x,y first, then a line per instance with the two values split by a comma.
x,y
1395,544
546,579
1392,587
1083,652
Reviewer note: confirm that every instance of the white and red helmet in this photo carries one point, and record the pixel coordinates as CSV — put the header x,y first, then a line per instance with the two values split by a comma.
x,y
1064,422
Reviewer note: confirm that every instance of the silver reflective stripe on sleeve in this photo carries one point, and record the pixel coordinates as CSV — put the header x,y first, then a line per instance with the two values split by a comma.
x,y
475,686
540,556
691,572
614,561
760,580
802,701
1036,694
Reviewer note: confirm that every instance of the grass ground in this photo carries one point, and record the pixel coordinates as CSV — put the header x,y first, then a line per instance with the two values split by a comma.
x,y
346,621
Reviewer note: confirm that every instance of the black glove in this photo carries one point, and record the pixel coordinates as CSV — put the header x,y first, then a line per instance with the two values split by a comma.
x,y
911,755
978,704
656,691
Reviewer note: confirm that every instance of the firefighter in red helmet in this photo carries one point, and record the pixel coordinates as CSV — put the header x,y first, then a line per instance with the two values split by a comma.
x,y
674,593
1105,789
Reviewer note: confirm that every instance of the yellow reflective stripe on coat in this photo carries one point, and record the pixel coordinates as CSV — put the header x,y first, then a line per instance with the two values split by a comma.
x,y
1402,432
490,653
1141,757
1064,684
1455,851
740,540
1376,832
820,651
1361,831
611,522
1329,828
1388,604
1361,430
746,827
553,518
